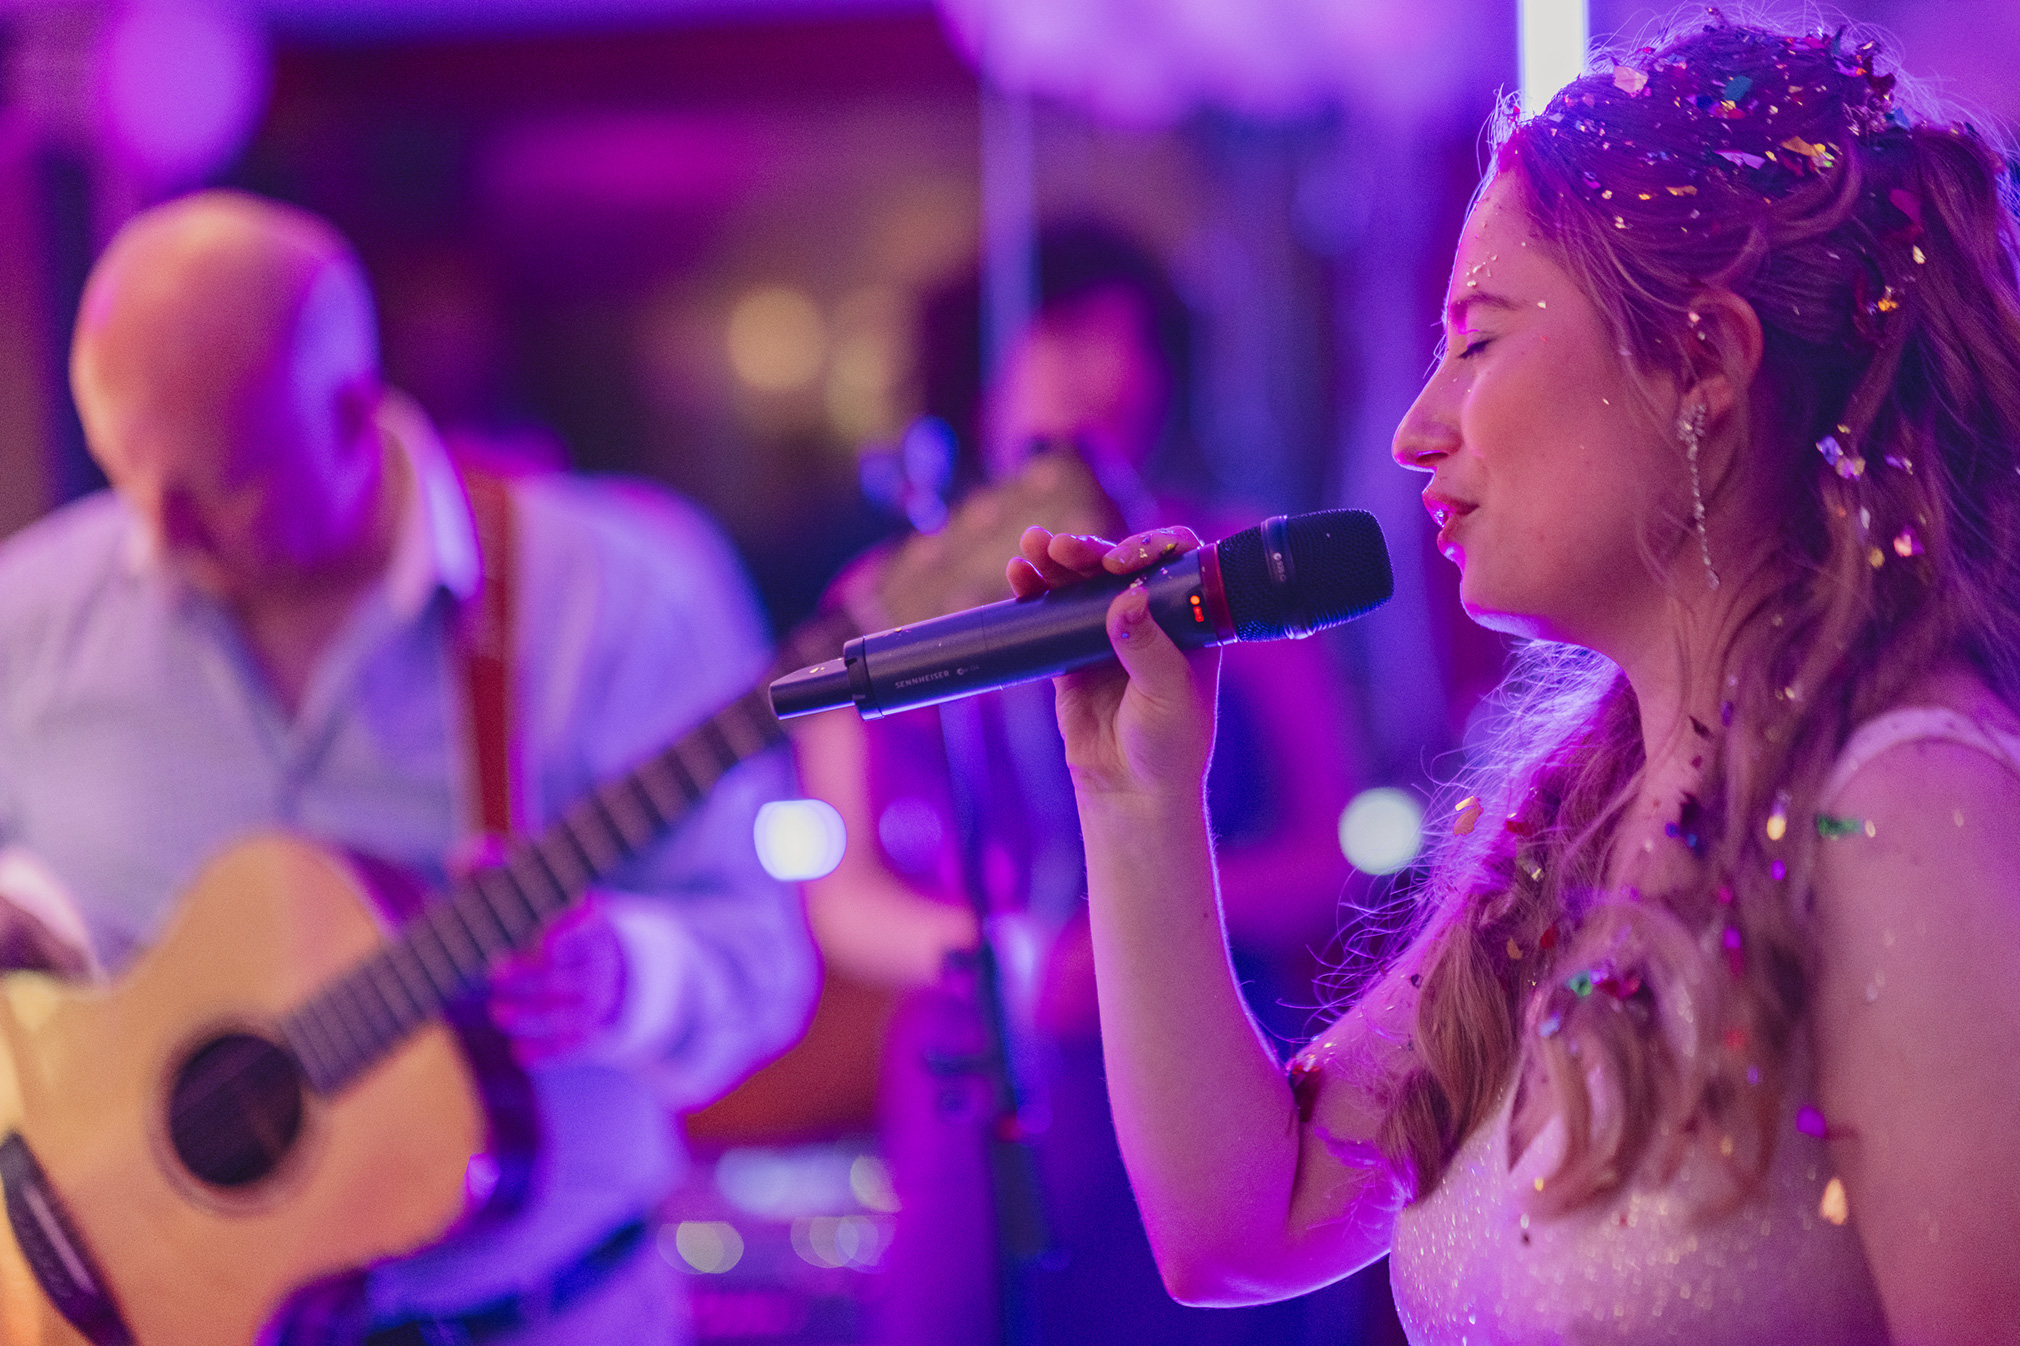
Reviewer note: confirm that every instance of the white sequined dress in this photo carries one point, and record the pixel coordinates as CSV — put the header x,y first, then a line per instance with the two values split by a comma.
x,y
1471,1267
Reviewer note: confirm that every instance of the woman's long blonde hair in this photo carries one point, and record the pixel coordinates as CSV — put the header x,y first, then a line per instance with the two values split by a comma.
x,y
1877,248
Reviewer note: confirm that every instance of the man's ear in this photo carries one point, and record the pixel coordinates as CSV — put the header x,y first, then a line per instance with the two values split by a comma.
x,y
355,404
1723,350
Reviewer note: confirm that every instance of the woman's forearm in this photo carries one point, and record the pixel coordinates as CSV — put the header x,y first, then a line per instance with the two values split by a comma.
x,y
1222,1168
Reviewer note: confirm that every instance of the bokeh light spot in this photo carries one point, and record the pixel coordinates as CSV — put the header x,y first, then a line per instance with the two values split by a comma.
x,y
708,1246
870,1183
1382,830
799,839
182,85
777,341
831,1241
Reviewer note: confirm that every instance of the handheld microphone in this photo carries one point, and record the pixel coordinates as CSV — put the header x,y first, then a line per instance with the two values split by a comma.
x,y
1286,577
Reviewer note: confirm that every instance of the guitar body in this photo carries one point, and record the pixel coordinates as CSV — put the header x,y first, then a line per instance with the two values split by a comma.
x,y
375,1171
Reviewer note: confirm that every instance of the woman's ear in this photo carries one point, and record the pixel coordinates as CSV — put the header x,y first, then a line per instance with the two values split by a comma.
x,y
1723,350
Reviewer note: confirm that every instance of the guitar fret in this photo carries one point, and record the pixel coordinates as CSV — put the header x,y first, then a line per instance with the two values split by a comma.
x,y
350,1060
623,840
655,777
534,882
334,1052
300,1032
648,807
507,912
448,978
398,1001
381,1014
725,753
446,919
627,819
596,837
753,731
366,1015
693,785
555,863
639,807
414,976
701,777
337,1026
471,907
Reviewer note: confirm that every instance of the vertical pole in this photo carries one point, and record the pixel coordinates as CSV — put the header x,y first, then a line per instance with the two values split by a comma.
x,y
1554,37
1385,326
1009,283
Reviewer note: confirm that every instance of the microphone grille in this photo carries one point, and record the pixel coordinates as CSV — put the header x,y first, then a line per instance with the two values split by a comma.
x,y
1291,576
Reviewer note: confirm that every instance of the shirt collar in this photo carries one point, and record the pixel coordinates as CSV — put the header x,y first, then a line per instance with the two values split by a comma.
x,y
437,542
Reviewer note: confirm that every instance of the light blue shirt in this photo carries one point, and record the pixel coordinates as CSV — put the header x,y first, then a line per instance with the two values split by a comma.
x,y
138,737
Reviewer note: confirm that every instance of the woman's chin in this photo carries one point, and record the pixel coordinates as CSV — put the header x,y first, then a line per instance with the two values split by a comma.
x,y
1509,618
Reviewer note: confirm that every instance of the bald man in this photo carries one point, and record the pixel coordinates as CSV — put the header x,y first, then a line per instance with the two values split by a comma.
x,y
256,627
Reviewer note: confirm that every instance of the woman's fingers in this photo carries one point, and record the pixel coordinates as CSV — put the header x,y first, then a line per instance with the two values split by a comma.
x,y
1055,560
1024,578
1153,662
1143,550
1048,560
1077,554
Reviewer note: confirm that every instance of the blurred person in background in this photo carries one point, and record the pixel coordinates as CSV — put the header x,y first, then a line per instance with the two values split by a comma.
x,y
258,627
1707,1033
1105,366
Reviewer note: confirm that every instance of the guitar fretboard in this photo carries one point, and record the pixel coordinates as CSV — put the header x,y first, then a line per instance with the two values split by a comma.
x,y
447,951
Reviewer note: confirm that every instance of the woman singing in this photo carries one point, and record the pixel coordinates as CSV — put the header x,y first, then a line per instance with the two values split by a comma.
x,y
1710,1028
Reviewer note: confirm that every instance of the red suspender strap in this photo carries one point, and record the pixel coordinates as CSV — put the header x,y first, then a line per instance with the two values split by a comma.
x,y
484,648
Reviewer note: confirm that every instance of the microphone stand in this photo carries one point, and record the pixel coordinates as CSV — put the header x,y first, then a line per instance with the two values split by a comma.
x,y
1022,1238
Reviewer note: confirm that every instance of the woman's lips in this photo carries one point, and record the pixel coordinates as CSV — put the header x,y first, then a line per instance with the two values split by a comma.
x,y
1447,536
1448,515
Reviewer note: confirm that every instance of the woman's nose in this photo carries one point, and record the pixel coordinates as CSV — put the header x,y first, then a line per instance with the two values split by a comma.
x,y
1427,432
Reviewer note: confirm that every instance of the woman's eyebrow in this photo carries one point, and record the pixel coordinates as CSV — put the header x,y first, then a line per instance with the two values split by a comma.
x,y
1456,311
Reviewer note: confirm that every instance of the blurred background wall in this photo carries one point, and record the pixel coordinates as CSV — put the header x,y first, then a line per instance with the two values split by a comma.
x,y
688,240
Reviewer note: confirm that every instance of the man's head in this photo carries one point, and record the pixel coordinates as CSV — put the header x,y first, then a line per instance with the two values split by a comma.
x,y
1107,359
226,371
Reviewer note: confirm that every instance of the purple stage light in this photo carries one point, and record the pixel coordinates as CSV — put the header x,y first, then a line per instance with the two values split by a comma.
x,y
181,87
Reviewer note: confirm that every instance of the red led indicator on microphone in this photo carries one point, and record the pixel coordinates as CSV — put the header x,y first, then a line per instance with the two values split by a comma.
x,y
1198,614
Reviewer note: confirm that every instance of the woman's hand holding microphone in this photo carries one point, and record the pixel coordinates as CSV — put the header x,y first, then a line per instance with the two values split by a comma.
x,y
1141,733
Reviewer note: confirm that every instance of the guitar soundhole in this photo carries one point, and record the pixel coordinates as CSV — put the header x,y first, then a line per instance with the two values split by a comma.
x,y
235,1109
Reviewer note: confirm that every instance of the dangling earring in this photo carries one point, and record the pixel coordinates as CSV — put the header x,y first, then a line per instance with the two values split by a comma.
x,y
1690,428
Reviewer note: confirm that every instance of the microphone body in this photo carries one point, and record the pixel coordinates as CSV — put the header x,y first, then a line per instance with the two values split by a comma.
x,y
1285,577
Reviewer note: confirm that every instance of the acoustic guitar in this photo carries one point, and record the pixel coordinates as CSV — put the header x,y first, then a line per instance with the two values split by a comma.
x,y
288,1086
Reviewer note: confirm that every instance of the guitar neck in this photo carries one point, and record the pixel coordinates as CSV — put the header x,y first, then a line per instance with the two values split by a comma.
x,y
447,951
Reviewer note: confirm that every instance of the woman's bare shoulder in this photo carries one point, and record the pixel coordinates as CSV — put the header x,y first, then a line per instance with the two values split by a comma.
x,y
1960,688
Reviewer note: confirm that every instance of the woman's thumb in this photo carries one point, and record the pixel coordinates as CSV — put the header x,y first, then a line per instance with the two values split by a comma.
x,y
1153,662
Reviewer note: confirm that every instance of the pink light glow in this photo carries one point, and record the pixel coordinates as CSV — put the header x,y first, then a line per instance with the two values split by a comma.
x,y
181,86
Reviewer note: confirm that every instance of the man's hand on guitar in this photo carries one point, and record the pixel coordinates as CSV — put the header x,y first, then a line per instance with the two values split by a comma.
x,y
561,997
